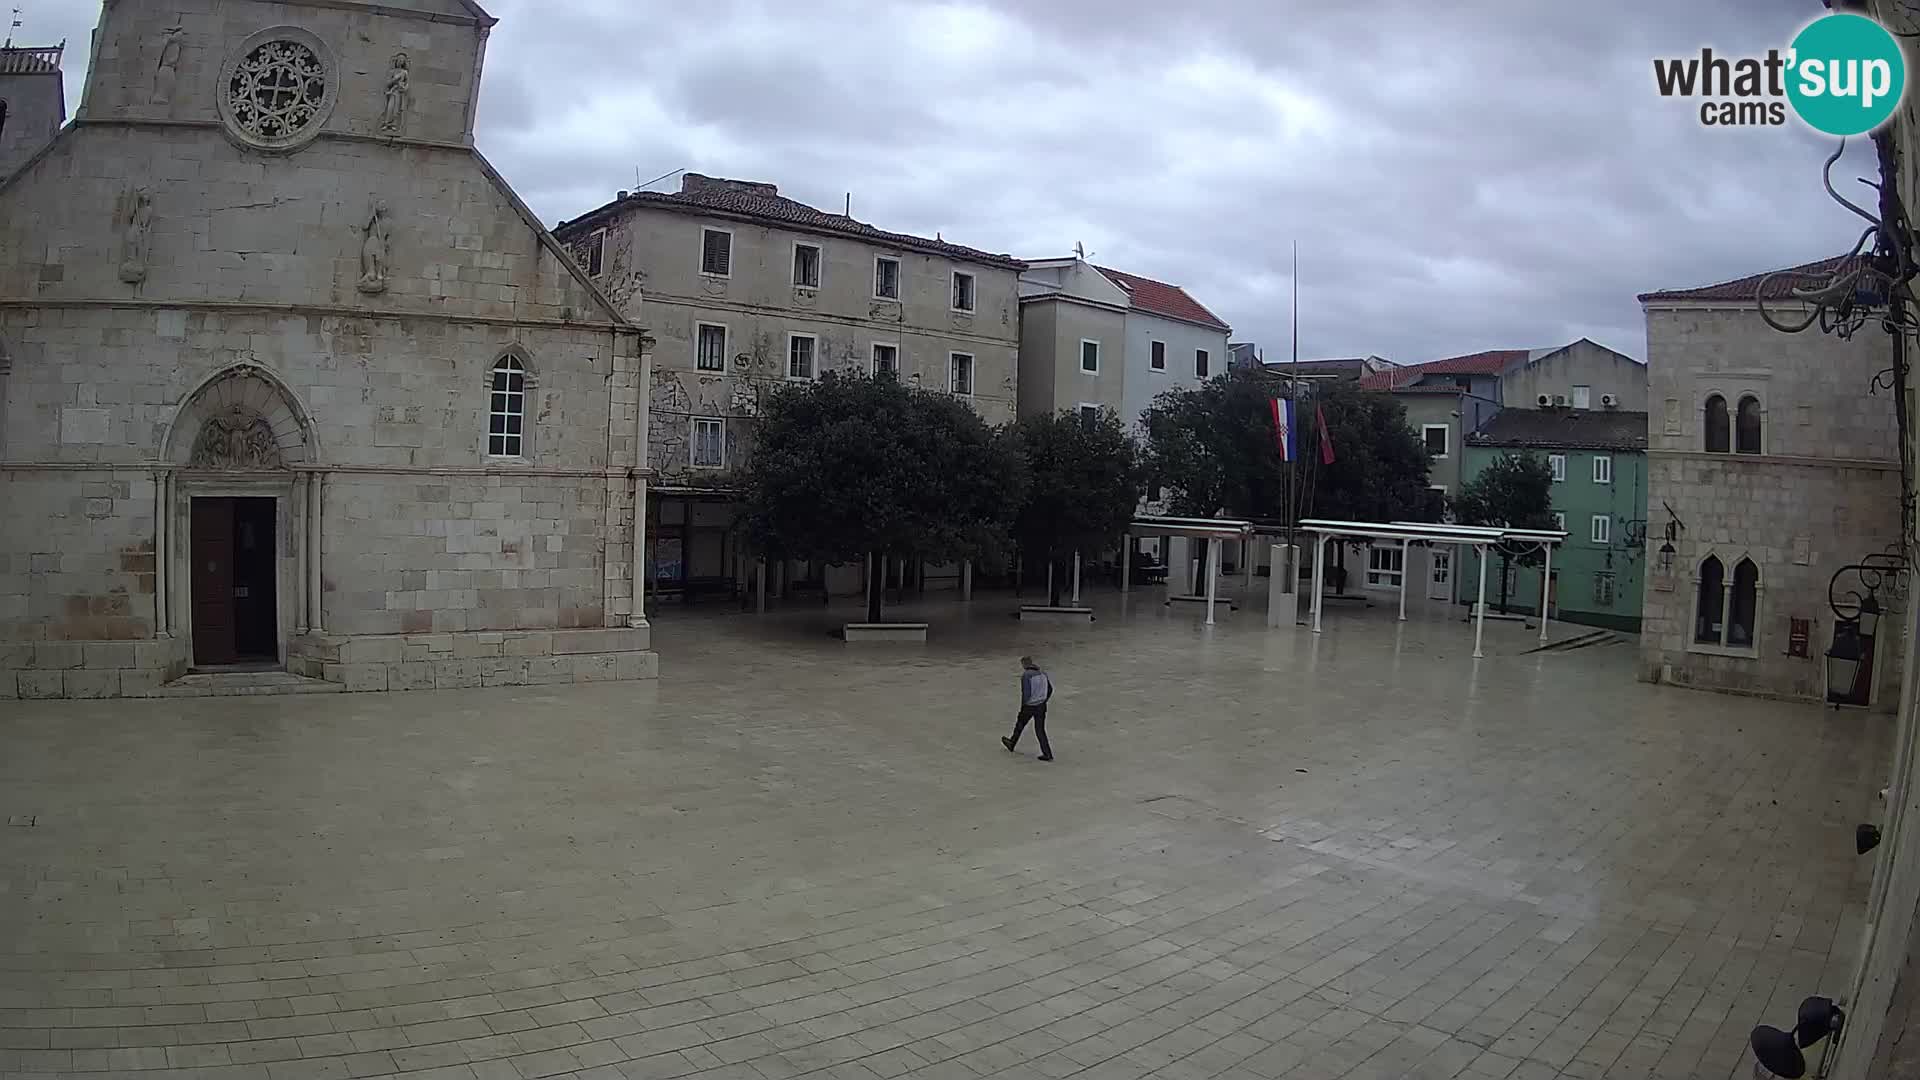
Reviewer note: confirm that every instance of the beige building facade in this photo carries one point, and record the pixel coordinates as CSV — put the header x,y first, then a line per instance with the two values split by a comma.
x,y
1095,337
1770,468
290,378
747,290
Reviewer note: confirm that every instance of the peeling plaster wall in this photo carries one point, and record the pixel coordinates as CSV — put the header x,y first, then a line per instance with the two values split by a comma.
x,y
657,252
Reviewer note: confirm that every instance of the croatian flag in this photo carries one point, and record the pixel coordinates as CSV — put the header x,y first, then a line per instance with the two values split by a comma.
x,y
1283,427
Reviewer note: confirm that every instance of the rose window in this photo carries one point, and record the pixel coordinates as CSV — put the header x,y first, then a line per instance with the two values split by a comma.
x,y
277,91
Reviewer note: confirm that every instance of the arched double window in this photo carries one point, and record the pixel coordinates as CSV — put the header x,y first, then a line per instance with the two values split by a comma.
x,y
507,411
1746,426
1718,428
1726,611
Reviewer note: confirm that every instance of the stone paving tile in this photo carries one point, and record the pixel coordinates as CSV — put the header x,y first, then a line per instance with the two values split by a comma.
x,y
1362,855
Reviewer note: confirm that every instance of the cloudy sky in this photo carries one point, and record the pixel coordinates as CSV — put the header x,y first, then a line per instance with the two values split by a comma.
x,y
1459,176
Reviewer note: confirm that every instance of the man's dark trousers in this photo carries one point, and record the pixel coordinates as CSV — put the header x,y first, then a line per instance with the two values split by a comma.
x,y
1037,714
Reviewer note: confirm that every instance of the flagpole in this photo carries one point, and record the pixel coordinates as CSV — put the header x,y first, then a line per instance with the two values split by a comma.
x,y
1293,393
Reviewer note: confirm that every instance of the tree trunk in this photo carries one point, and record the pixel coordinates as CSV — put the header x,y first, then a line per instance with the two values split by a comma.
x,y
876,584
1056,575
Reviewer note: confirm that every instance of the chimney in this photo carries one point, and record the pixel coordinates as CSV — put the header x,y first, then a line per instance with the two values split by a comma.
x,y
622,195
695,184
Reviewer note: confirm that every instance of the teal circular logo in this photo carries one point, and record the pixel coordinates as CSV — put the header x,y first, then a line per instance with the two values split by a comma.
x,y
1847,74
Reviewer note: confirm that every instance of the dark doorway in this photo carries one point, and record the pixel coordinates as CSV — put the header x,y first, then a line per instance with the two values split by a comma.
x,y
234,613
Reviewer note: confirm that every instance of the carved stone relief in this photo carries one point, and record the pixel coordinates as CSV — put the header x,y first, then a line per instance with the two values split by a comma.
x,y
135,219
393,112
166,70
376,249
236,438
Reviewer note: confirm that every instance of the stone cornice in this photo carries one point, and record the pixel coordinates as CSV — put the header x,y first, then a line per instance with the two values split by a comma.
x,y
1798,461
618,472
256,307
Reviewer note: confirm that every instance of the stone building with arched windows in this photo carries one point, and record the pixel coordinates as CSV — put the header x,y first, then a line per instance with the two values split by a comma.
x,y
291,379
1772,466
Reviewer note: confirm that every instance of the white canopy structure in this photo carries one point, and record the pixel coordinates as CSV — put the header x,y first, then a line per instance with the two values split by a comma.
x,y
1408,532
1193,529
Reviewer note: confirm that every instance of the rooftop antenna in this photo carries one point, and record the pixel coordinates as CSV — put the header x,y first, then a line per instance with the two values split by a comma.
x,y
655,180
848,212
15,25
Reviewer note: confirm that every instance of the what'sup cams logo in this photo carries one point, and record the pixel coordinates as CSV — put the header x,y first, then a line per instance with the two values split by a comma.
x,y
1844,74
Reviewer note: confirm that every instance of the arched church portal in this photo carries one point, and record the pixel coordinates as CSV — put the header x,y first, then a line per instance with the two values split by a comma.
x,y
240,522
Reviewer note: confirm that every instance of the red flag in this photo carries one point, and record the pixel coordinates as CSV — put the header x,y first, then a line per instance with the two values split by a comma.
x,y
1326,440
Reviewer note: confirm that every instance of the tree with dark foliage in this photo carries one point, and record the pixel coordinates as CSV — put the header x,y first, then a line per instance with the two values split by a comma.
x,y
849,467
1085,480
1514,492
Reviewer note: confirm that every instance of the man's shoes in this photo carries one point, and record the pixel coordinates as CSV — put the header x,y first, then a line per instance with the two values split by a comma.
x,y
1043,757
1006,742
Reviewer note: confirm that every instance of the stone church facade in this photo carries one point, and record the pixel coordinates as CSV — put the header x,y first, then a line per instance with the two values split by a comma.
x,y
289,377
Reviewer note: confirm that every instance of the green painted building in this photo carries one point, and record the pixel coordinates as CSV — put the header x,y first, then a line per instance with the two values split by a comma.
x,y
1599,460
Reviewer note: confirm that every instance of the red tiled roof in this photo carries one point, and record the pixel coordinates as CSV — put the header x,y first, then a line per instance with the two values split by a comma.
x,y
1490,362
763,202
1747,289
1160,298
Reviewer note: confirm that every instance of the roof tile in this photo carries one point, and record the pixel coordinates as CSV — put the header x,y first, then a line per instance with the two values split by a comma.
x,y
762,202
1160,298
1747,289
1564,429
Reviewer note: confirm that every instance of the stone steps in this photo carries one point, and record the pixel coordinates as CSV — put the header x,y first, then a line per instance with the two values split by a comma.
x,y
244,684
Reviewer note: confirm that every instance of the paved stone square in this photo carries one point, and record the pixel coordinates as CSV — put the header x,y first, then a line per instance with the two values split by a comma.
x,y
1259,855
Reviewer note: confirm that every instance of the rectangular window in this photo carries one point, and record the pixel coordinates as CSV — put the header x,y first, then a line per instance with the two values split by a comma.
x,y
1560,521
716,252
709,443
962,291
886,278
1583,397
1089,356
1435,436
1603,589
710,347
1089,416
800,356
1159,361
592,253
1603,469
806,265
960,373
1558,462
1384,566
1199,363
1601,529
886,359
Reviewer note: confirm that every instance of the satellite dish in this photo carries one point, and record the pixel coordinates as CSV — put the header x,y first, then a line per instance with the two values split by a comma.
x,y
1079,250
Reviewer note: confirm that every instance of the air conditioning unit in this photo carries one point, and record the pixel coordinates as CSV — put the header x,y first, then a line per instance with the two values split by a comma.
x,y
1545,401
1559,399
1608,401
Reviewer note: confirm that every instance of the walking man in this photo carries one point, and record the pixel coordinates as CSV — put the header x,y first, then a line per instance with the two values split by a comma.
x,y
1035,689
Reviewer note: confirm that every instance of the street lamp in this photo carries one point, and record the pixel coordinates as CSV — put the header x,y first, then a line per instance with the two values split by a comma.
x,y
1666,557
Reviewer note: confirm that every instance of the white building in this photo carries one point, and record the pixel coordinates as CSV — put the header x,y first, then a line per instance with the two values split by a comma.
x,y
1095,337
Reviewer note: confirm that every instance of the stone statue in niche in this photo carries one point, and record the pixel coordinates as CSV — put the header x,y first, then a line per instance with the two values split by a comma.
x,y
394,113
233,439
376,249
166,71
136,225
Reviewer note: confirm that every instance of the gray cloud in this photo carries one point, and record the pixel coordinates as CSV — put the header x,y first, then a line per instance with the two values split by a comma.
x,y
1487,173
